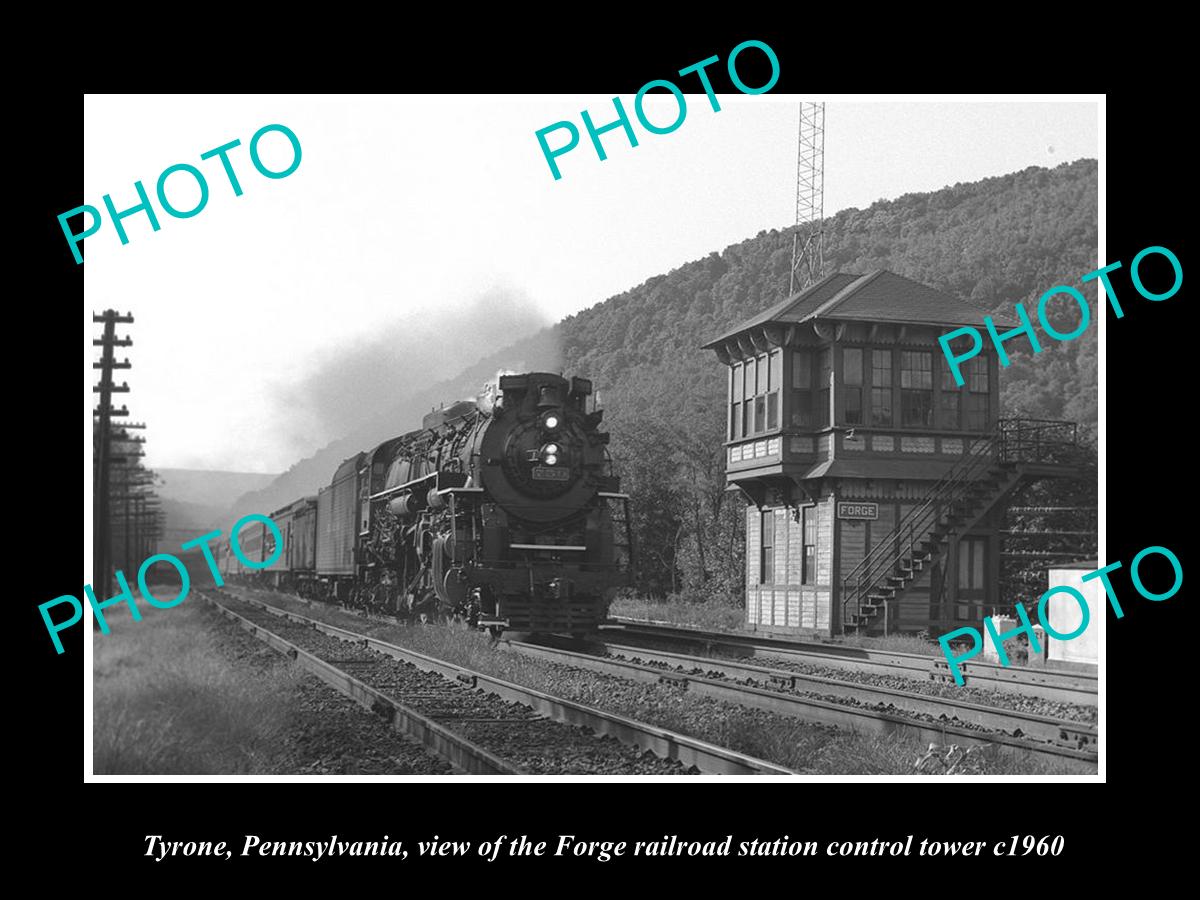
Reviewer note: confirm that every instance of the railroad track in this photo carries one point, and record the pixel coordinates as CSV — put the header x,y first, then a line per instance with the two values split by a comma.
x,y
853,705
1045,684
480,724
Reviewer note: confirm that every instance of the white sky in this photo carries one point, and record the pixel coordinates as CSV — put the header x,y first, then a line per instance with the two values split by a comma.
x,y
407,206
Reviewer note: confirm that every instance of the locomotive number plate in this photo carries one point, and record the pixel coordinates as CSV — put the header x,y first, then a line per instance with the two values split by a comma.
x,y
546,473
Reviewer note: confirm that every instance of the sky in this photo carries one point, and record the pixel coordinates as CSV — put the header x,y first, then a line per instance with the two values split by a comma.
x,y
412,219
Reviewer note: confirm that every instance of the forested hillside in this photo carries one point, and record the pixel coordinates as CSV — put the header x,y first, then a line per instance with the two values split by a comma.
x,y
995,242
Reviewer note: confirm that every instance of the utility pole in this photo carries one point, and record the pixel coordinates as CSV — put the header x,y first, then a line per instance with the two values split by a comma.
x,y
808,246
130,488
101,526
125,451
128,495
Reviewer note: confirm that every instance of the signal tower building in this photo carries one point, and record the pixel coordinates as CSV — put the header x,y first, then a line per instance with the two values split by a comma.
x,y
875,486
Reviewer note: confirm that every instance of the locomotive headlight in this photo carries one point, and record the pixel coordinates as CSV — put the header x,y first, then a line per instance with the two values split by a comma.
x,y
550,453
550,421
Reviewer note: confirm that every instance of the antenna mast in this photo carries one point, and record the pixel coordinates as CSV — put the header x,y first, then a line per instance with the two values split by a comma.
x,y
808,250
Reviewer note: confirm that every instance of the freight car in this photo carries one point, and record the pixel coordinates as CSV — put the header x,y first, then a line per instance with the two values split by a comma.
x,y
256,543
504,511
297,524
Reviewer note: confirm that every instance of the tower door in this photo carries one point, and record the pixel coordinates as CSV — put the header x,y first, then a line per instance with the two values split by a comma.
x,y
971,591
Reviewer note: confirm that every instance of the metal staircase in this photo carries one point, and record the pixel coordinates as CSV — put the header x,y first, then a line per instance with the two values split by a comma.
x,y
994,465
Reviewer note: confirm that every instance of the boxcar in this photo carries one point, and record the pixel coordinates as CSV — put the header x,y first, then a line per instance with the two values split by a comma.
x,y
337,529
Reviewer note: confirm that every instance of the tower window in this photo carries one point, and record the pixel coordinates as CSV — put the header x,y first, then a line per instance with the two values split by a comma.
x,y
735,401
808,571
825,369
977,396
950,402
802,398
881,387
852,381
767,562
760,398
916,388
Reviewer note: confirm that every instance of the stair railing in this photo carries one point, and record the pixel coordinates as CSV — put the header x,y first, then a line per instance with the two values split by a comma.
x,y
1012,440
1037,440
912,528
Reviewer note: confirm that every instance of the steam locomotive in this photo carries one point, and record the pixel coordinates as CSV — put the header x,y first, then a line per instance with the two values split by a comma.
x,y
504,511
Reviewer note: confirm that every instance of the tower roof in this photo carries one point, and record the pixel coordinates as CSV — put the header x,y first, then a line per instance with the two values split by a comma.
x,y
879,296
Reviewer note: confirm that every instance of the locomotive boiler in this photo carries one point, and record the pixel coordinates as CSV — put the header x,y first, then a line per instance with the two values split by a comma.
x,y
504,511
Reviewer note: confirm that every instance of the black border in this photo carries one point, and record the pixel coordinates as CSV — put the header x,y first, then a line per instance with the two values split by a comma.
x,y
1147,442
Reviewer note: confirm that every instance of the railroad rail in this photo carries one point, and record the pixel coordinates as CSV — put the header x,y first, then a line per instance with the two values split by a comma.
x,y
882,710
1047,684
461,752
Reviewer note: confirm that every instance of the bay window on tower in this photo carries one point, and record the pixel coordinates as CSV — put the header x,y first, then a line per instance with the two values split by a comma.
x,y
748,397
760,395
755,387
735,401
774,383
802,395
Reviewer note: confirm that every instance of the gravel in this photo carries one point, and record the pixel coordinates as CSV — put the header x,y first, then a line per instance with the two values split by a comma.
x,y
890,708
510,730
805,746
328,734
1070,712
1054,709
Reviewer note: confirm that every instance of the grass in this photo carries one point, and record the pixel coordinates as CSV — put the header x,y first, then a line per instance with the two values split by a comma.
x,y
710,615
806,747
166,700
716,616
900,643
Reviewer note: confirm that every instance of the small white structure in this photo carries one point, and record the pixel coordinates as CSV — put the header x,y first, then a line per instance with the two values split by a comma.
x,y
1065,616
1017,650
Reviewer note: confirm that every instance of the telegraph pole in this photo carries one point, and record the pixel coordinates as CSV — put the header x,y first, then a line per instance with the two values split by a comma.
x,y
126,454
101,526
129,489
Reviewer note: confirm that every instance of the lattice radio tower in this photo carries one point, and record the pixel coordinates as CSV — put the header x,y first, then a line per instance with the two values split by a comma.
x,y
808,245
